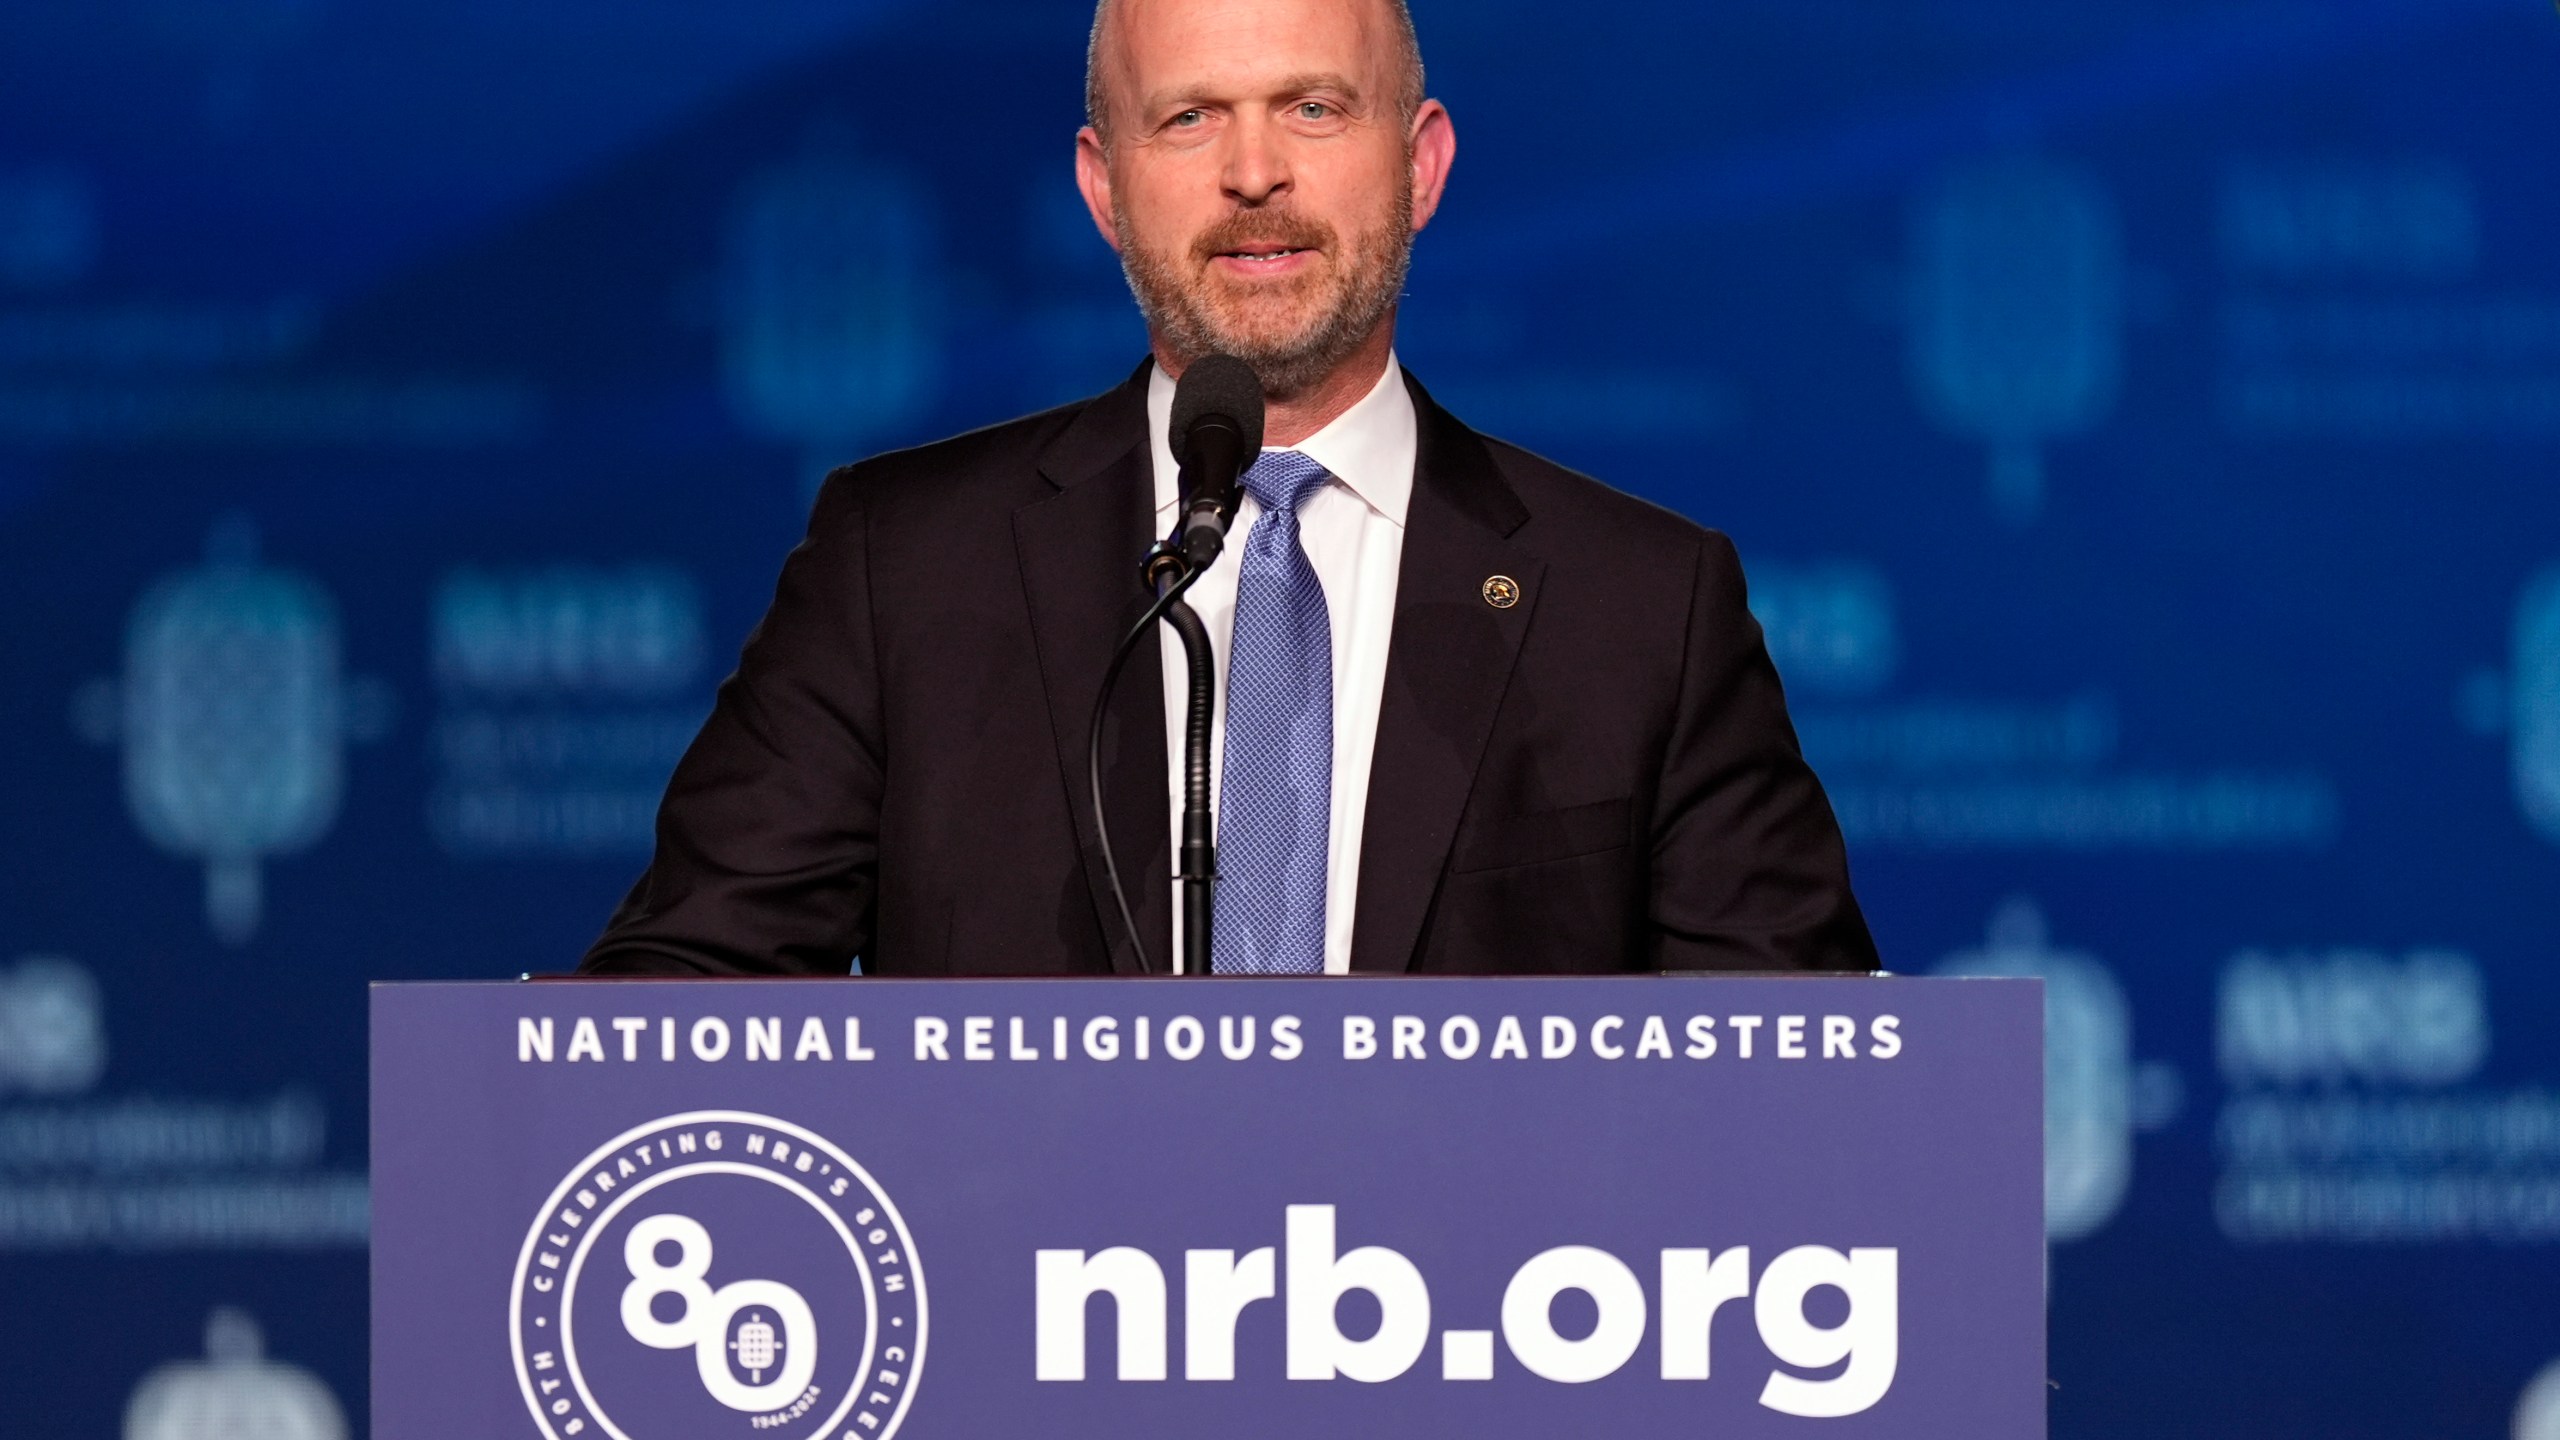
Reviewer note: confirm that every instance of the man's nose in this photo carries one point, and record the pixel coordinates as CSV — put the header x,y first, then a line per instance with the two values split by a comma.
x,y
1257,160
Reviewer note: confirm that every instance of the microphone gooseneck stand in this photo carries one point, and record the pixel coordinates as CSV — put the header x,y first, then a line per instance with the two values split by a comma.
x,y
1170,575
1215,431
1198,871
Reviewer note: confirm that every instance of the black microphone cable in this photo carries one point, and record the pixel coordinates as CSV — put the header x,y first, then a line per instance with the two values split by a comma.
x,y
1166,598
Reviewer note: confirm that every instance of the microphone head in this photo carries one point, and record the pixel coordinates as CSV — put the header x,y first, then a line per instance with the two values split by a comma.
x,y
1217,386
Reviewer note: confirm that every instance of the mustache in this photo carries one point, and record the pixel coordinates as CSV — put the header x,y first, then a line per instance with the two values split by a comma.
x,y
1245,228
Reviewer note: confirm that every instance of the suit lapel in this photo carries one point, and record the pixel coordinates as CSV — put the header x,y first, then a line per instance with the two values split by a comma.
x,y
1079,551
1448,664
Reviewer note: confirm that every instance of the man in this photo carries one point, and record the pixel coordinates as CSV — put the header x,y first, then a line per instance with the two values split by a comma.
x,y
1477,713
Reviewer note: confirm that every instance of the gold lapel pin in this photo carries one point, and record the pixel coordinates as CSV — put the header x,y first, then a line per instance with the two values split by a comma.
x,y
1501,592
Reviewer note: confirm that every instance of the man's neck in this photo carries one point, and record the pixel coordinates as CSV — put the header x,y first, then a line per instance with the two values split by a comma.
x,y
1286,420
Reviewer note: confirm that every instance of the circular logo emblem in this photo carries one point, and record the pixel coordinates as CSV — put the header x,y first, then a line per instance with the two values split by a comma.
x,y
718,1273
1501,592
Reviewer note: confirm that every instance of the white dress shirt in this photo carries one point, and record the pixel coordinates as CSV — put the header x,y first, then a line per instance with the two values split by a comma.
x,y
1353,531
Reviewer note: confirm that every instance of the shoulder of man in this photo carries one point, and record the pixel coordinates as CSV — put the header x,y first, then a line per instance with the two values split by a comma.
x,y
990,470
1574,516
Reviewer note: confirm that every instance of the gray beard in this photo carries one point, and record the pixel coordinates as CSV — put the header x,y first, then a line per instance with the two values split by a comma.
x,y
1290,365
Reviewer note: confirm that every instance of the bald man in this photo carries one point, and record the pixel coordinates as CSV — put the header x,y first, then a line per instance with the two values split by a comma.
x,y
1476,713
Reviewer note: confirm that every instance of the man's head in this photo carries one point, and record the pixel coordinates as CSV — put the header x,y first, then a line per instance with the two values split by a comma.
x,y
1262,167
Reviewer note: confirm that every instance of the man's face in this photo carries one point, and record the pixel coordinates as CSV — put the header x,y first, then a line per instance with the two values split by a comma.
x,y
1261,182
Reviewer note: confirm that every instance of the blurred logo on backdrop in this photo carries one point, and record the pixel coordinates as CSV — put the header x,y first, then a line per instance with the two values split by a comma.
x,y
1941,772
81,1171
2354,1113
234,1393
740,1273
1830,627
2313,221
234,714
833,323
568,693
2522,704
2538,1409
84,370
2016,314
2351,314
2095,1097
53,1037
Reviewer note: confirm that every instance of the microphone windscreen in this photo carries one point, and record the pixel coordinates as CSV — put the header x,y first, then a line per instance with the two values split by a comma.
x,y
1217,385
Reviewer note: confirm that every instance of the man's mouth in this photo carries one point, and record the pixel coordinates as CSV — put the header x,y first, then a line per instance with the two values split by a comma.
x,y
1262,254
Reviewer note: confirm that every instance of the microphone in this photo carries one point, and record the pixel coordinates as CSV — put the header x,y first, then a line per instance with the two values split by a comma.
x,y
1216,433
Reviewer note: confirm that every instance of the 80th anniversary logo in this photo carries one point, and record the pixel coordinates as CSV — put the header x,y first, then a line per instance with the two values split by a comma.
x,y
644,1306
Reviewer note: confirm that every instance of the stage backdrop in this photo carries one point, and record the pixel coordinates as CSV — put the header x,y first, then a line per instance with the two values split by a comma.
x,y
2139,421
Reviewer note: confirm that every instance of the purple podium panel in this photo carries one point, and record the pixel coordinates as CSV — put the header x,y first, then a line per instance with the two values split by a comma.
x,y
1638,1207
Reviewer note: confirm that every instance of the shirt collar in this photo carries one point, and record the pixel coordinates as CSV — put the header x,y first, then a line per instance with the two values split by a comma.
x,y
1369,448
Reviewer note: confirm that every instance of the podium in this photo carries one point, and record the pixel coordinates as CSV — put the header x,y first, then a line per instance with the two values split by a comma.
x,y
1627,1207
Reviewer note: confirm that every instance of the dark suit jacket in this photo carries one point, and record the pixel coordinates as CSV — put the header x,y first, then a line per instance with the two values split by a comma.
x,y
1599,778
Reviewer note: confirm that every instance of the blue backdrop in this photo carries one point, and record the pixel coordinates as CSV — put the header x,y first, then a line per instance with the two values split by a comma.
x,y
2139,423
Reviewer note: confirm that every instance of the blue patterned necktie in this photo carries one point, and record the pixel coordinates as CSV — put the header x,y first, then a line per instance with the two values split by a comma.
x,y
1275,794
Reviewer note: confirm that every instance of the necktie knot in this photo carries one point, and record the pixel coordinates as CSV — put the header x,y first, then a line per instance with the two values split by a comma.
x,y
1281,480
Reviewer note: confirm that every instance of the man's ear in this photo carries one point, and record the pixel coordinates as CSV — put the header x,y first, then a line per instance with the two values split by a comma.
x,y
1093,177
1434,142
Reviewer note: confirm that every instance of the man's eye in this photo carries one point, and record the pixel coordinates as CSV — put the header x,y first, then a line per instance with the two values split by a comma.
x,y
1314,110
1190,118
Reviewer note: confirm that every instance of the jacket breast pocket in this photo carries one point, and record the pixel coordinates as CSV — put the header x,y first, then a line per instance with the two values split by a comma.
x,y
1501,842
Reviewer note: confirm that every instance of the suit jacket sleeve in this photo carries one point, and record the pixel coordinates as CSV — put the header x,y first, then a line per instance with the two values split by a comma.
x,y
1749,870
768,840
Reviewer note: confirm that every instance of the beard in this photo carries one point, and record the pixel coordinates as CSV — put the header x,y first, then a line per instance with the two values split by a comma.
x,y
1293,334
